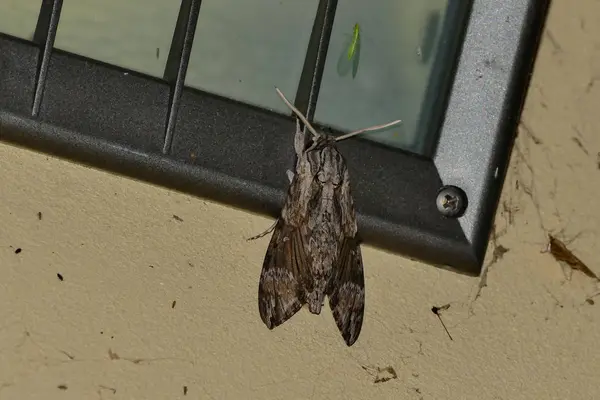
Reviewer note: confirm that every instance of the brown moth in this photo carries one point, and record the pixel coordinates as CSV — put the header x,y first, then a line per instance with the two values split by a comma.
x,y
561,253
314,250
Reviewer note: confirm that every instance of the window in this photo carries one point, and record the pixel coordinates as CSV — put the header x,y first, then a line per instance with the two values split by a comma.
x,y
182,94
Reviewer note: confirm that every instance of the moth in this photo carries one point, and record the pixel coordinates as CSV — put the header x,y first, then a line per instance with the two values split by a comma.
x,y
561,253
314,250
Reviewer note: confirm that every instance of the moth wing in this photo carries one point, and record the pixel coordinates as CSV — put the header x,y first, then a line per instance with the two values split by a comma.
x,y
285,276
347,291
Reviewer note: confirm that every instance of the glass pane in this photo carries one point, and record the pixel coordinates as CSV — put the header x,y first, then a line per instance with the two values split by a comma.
x,y
242,49
19,17
133,34
385,76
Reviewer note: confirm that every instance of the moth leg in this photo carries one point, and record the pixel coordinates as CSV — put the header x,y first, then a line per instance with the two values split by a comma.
x,y
290,175
269,230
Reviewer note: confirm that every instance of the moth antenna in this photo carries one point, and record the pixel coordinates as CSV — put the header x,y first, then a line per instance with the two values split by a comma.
x,y
298,113
372,128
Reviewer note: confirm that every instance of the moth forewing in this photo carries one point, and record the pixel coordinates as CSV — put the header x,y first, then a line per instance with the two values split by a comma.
x,y
280,292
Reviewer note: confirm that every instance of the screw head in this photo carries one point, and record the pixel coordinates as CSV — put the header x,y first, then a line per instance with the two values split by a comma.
x,y
451,201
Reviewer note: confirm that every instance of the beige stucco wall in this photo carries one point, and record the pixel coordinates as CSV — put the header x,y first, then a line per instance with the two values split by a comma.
x,y
109,331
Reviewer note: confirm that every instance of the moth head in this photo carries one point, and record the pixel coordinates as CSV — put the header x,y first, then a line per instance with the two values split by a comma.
x,y
329,165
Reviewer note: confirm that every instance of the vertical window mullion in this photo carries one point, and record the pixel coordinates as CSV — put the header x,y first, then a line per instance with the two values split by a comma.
x,y
178,61
314,63
44,35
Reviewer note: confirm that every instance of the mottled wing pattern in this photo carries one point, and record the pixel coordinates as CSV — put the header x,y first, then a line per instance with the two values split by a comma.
x,y
284,279
347,291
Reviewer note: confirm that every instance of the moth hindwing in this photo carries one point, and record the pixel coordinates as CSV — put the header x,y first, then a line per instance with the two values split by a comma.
x,y
314,250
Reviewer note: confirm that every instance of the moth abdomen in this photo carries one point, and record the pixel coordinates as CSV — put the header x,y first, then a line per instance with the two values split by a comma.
x,y
315,301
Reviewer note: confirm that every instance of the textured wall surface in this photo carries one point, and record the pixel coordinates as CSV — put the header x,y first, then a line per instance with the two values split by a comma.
x,y
149,304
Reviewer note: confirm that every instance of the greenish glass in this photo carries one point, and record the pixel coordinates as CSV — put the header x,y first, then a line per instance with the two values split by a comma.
x,y
243,49
388,75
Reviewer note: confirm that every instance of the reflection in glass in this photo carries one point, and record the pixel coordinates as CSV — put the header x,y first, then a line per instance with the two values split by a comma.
x,y
19,17
133,34
388,75
242,49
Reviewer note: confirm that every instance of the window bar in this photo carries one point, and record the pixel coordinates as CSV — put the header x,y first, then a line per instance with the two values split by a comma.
x,y
44,35
178,61
314,63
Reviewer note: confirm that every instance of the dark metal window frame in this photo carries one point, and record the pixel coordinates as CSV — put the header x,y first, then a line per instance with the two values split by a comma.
x,y
160,131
